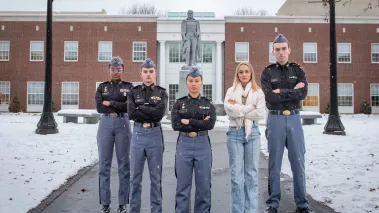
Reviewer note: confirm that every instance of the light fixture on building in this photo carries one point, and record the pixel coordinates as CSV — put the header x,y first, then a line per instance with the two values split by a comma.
x,y
139,28
71,28
344,30
3,27
310,29
276,29
37,28
105,28
242,29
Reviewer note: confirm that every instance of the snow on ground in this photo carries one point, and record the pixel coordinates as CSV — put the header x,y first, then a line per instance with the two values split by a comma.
x,y
32,165
342,171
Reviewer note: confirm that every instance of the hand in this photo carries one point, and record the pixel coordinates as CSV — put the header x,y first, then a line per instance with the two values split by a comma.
x,y
276,91
106,103
254,107
232,101
299,85
206,118
185,121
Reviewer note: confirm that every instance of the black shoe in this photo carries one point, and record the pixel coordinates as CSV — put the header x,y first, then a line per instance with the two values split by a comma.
x,y
303,210
122,209
105,209
272,210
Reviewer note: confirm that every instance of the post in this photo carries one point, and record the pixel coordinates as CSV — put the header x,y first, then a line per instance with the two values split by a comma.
x,y
47,124
334,125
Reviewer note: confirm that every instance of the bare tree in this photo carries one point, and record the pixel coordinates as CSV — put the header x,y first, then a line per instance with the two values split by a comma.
x,y
248,11
143,9
370,3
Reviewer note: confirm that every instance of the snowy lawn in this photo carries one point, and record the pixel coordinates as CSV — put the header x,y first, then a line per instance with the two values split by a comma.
x,y
32,166
342,171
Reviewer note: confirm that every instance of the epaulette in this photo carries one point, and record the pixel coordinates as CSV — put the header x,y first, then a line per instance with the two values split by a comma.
x,y
160,87
127,82
270,66
136,87
206,98
182,98
295,65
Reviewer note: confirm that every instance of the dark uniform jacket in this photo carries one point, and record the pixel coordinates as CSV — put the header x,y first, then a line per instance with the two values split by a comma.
x,y
283,77
147,104
196,110
116,93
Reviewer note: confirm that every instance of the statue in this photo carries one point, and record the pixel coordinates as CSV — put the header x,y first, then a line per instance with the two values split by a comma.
x,y
191,39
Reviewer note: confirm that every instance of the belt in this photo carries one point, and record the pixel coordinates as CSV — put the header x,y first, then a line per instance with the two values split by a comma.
x,y
194,134
114,115
284,112
147,125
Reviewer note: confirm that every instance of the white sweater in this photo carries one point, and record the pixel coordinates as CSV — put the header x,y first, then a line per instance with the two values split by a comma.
x,y
238,112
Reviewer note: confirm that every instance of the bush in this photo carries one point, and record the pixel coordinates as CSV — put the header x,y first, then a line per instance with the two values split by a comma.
x,y
14,106
53,108
365,108
327,109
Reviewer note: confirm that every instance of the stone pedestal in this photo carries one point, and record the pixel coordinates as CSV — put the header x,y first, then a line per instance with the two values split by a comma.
x,y
67,119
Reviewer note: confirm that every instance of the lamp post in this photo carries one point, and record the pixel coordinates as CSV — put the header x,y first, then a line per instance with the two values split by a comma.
x,y
47,124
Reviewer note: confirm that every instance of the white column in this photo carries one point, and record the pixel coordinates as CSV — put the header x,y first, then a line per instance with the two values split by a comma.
x,y
162,63
219,81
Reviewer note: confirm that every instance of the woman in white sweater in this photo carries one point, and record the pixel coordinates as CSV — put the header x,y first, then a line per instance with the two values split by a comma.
x,y
245,105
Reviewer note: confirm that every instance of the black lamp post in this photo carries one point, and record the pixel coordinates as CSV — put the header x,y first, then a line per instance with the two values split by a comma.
x,y
334,125
47,124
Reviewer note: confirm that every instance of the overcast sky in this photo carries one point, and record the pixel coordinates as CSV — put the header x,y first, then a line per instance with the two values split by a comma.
x,y
220,7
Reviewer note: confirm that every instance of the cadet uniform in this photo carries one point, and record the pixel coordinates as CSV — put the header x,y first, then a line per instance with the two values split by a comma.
x,y
284,128
114,130
147,106
193,151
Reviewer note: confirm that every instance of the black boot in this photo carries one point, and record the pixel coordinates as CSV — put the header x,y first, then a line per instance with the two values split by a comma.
x,y
105,209
272,210
122,209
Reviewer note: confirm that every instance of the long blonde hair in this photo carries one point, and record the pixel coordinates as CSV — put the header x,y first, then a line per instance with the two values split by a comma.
x,y
254,85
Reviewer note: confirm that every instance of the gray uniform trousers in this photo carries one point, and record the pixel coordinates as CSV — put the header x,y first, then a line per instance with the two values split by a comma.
x,y
193,154
114,132
286,131
147,143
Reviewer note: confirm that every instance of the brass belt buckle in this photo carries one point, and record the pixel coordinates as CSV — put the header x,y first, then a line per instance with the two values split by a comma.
x,y
113,115
286,112
192,134
146,125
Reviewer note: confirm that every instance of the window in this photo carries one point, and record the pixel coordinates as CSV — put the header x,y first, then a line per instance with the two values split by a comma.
x,y
207,91
345,94
139,51
310,52
271,57
174,53
173,90
242,52
36,51
374,53
70,93
36,92
206,53
4,50
344,53
374,91
5,92
71,50
105,51
312,97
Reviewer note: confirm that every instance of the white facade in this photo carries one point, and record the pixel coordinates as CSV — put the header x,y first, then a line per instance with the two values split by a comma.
x,y
169,38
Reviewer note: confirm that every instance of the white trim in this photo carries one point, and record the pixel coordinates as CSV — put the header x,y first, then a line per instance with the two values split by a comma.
x,y
351,57
33,107
235,51
43,50
98,51
311,62
372,53
9,100
9,49
311,108
139,51
70,106
301,19
64,52
78,18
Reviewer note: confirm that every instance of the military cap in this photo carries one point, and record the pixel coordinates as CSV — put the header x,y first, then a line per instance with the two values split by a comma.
x,y
280,39
148,63
116,61
194,72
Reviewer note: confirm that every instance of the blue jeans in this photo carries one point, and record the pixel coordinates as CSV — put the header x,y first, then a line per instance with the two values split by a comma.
x,y
244,167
